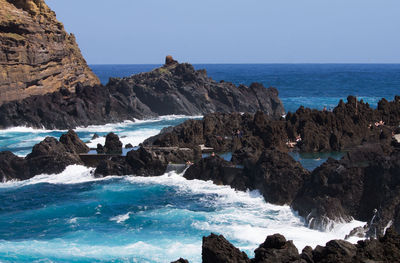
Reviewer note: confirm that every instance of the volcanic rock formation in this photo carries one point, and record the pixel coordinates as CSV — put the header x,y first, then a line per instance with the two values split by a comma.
x,y
49,156
172,89
37,56
276,249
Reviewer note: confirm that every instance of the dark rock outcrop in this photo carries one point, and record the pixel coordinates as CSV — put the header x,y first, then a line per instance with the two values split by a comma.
x,y
181,260
145,162
346,127
49,156
366,179
218,249
37,56
65,110
276,249
112,145
172,89
13,167
73,144
180,89
276,175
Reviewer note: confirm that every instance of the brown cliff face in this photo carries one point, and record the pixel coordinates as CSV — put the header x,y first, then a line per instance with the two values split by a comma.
x,y
37,56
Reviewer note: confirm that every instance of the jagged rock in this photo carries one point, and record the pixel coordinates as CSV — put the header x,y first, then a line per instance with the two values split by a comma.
x,y
37,56
276,249
346,127
113,145
49,156
128,146
172,89
218,170
179,89
12,167
366,179
87,106
277,176
218,249
144,162
73,144
181,260
95,136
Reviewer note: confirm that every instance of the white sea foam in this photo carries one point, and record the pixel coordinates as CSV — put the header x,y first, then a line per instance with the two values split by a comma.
x,y
121,218
111,127
242,217
73,174
246,217
135,252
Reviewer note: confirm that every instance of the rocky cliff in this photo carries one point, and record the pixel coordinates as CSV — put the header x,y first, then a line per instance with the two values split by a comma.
x,y
37,56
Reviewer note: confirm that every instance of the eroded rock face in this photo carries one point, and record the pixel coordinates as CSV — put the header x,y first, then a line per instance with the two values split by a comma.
x,y
37,56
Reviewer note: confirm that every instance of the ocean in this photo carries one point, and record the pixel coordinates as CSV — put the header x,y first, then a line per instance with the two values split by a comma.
x,y
73,217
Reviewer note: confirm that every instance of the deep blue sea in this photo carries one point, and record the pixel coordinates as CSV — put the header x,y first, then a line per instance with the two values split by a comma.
x,y
73,217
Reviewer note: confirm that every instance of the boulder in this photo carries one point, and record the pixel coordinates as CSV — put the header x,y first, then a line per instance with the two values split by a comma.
x,y
50,156
276,249
277,176
73,144
217,249
113,145
13,167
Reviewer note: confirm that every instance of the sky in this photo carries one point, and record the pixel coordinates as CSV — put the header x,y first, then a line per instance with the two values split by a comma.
x,y
233,31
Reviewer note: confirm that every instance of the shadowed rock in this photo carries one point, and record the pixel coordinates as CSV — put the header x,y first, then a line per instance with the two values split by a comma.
x,y
218,249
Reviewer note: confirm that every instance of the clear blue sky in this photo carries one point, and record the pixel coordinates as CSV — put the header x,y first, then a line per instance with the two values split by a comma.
x,y
234,31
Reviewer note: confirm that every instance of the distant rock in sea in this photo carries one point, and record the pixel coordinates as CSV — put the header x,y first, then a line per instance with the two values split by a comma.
x,y
171,89
37,55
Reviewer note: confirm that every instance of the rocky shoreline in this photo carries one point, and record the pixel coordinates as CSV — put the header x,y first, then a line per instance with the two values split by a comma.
x,y
175,88
363,185
276,249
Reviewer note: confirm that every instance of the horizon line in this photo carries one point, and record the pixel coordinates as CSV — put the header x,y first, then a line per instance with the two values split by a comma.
x,y
258,63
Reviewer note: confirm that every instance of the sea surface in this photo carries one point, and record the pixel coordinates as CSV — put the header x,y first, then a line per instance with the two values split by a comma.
x,y
73,217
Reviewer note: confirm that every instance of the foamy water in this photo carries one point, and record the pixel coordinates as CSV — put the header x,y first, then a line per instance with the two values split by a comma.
x,y
179,210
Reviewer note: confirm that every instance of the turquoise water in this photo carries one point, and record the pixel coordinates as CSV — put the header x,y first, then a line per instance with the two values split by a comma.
x,y
73,217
